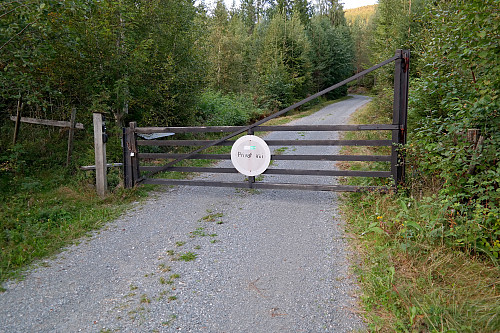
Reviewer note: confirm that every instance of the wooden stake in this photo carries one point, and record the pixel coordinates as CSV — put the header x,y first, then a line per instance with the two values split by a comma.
x,y
20,106
70,136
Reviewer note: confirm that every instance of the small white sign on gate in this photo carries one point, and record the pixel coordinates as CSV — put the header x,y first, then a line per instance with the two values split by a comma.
x,y
250,155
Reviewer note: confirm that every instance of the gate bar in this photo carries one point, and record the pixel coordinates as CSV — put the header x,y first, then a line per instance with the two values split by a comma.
x,y
279,113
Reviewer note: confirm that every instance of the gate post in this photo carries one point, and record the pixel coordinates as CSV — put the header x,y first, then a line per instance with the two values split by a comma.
x,y
130,163
100,155
128,182
399,114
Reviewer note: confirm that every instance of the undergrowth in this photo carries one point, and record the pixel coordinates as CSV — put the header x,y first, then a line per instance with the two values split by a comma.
x,y
414,273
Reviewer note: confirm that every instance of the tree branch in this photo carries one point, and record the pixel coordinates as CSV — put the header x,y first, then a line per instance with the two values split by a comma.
x,y
19,33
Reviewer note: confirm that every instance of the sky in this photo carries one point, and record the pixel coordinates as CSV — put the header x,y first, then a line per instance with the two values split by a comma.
x,y
348,4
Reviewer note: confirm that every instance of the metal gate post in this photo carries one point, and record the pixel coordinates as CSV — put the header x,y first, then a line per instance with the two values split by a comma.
x,y
134,153
251,179
128,182
399,115
130,161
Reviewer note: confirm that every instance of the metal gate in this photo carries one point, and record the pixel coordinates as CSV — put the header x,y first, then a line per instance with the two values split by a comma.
x,y
136,172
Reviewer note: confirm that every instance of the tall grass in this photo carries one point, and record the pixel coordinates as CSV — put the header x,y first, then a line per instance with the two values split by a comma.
x,y
412,278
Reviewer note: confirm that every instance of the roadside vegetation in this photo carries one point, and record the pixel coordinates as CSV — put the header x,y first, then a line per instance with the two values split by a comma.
x,y
429,254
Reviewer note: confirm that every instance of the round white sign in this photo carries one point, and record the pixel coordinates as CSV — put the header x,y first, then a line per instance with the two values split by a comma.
x,y
250,155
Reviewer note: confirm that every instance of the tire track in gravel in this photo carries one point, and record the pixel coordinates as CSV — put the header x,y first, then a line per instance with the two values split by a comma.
x,y
265,261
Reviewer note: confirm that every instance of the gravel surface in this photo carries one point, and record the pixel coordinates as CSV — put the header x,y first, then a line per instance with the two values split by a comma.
x,y
264,261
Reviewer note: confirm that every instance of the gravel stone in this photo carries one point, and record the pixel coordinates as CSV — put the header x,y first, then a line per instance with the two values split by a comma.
x,y
274,261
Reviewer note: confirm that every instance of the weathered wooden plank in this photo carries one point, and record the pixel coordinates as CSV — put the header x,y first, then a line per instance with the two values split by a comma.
x,y
17,119
198,143
368,158
71,135
288,128
92,167
57,123
100,156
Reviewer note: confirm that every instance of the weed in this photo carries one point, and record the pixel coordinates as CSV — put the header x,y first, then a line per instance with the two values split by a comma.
x,y
179,244
164,268
170,321
145,299
163,280
211,217
133,287
199,232
172,298
188,256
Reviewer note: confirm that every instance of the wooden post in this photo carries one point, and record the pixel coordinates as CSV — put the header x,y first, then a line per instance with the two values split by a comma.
x,y
20,106
473,135
71,135
100,156
399,115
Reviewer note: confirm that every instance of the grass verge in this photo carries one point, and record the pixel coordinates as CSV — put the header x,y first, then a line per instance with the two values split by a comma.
x,y
37,223
412,280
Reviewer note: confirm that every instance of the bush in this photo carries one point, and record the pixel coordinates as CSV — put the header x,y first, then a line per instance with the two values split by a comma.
x,y
216,109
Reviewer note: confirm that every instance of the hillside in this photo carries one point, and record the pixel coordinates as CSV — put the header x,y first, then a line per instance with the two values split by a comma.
x,y
363,13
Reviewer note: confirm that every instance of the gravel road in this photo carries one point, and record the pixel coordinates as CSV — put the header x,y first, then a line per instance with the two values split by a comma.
x,y
197,259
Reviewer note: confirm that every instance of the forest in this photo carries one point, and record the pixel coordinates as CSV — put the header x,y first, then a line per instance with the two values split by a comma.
x,y
180,62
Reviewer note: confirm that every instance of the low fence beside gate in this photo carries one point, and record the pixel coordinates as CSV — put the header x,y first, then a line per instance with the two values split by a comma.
x,y
136,171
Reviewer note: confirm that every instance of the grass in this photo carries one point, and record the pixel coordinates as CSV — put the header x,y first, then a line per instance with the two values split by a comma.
x,y
212,217
411,280
38,223
188,256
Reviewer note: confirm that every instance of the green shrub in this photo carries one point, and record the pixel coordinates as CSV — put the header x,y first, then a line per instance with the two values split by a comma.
x,y
216,109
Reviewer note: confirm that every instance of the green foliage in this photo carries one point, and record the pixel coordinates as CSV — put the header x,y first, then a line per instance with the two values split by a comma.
x,y
216,109
284,64
332,55
411,280
228,52
458,91
414,277
124,57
